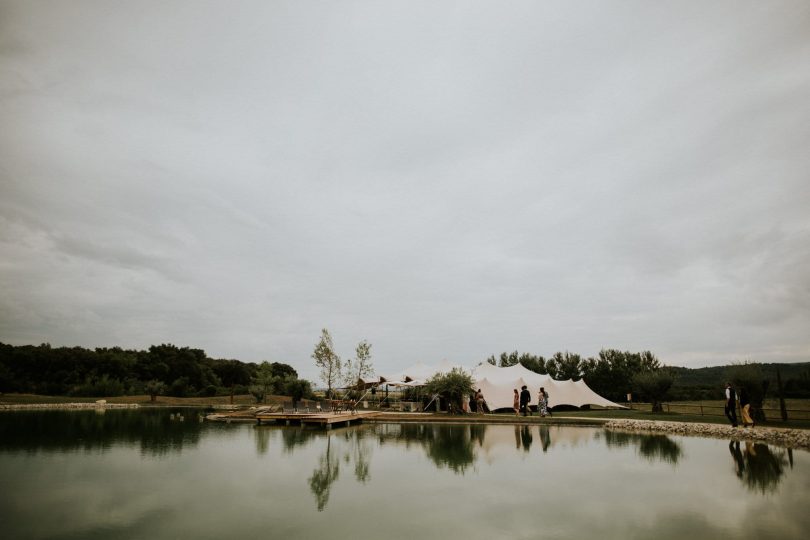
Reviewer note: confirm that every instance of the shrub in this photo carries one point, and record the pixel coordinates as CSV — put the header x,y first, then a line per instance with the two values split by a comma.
x,y
453,386
654,385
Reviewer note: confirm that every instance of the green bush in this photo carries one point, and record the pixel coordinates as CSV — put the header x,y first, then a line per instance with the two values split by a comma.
x,y
102,386
453,386
208,391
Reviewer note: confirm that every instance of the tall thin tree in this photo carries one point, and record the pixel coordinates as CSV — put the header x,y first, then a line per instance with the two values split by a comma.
x,y
328,361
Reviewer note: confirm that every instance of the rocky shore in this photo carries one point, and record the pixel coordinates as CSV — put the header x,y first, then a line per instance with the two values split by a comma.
x,y
790,438
66,406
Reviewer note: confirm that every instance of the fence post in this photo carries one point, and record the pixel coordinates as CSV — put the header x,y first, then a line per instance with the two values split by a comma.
x,y
782,408
668,407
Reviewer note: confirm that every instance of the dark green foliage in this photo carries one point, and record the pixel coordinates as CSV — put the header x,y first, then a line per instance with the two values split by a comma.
x,y
208,391
103,386
610,375
297,389
453,386
653,386
107,372
154,388
750,377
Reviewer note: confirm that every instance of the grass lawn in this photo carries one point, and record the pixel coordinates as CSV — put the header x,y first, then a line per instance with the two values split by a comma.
x,y
689,411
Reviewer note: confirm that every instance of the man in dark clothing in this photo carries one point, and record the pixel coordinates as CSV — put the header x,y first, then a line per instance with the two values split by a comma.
x,y
525,398
731,404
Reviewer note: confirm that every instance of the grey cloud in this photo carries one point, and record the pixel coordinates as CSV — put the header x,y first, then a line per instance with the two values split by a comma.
x,y
442,180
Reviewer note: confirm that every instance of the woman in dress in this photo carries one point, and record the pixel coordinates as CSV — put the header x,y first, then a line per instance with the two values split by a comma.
x,y
542,402
516,402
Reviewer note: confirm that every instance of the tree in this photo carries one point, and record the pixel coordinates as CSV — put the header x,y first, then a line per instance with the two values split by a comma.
x,y
453,386
297,389
654,385
264,379
566,366
328,361
154,388
749,375
360,366
533,363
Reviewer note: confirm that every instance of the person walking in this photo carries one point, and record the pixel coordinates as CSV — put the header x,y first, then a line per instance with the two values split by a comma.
x,y
525,398
745,408
731,404
543,405
516,402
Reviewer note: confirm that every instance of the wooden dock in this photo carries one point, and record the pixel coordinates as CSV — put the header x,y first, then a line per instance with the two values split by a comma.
x,y
325,420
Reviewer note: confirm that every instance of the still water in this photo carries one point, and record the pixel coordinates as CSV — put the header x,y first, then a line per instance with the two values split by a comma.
x,y
141,474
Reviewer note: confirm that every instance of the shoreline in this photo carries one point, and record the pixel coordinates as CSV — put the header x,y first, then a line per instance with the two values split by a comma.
x,y
66,406
787,437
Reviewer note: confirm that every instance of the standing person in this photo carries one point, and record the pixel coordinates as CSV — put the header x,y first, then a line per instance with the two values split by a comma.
x,y
545,400
745,408
516,402
542,405
525,398
731,404
479,401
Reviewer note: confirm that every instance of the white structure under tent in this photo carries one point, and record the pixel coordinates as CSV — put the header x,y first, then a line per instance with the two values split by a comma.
x,y
497,384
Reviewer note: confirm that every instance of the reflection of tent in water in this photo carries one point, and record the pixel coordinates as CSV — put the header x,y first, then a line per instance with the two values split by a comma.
x,y
497,384
501,441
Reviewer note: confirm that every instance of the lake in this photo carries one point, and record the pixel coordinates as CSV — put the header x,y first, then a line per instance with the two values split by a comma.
x,y
145,474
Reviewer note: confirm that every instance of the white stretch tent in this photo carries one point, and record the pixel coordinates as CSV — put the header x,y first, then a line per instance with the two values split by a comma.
x,y
498,384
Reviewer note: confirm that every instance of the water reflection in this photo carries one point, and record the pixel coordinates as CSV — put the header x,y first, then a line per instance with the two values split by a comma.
x,y
651,447
523,438
545,438
324,475
451,447
757,466
157,431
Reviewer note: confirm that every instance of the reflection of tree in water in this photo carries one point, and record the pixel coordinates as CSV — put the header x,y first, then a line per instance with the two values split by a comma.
x,y
447,446
359,451
651,447
291,438
325,475
763,468
152,429
262,435
451,447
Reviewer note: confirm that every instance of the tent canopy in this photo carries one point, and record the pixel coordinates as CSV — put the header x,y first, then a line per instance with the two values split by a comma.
x,y
497,384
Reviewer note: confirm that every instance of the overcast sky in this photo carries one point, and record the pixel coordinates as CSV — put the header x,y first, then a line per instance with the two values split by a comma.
x,y
447,180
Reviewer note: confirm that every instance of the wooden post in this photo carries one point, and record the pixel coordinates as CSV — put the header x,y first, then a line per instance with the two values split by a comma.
x,y
782,407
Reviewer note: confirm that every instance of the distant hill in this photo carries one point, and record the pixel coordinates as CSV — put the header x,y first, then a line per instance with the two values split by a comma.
x,y
707,383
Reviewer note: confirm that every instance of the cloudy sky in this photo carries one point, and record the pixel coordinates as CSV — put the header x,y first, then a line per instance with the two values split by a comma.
x,y
444,179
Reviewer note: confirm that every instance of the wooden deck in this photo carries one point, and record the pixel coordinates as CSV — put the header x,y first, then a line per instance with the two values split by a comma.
x,y
324,420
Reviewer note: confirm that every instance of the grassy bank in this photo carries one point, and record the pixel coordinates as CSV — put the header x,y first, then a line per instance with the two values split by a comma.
x,y
799,415
167,401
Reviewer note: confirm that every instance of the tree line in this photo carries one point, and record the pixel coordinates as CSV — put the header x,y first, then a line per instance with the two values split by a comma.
x,y
162,369
614,374
611,374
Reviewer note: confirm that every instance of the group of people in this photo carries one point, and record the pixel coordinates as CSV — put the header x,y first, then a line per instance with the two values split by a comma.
x,y
523,399
732,397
